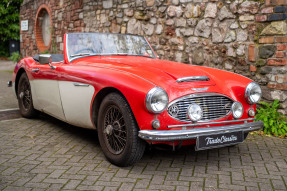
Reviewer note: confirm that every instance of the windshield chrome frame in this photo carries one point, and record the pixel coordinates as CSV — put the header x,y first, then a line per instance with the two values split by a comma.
x,y
154,56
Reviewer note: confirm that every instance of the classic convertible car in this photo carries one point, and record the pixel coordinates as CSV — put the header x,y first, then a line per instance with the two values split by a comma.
x,y
116,84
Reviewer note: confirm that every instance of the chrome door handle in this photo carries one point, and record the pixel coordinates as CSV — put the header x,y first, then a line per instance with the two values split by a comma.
x,y
81,84
35,70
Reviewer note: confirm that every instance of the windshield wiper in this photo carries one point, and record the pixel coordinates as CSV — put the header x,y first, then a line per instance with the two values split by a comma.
x,y
84,54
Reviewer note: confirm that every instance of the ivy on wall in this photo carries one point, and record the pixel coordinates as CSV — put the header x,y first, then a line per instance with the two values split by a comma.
x,y
9,24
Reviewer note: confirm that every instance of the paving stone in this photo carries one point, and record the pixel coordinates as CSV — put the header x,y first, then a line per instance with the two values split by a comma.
x,y
278,184
82,187
72,159
126,186
265,186
72,184
56,174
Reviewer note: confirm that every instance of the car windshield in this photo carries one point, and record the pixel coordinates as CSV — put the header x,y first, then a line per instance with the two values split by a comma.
x,y
100,44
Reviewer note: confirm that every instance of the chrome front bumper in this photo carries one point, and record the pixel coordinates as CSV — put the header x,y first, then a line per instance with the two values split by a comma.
x,y
185,134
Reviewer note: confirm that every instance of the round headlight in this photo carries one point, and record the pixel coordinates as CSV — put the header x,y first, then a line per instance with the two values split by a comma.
x,y
237,110
253,93
156,100
194,112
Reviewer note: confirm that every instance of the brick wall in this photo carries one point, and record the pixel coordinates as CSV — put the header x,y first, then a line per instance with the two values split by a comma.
x,y
246,37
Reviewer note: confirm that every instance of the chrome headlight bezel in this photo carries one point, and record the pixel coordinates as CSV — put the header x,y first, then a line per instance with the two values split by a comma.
x,y
250,91
197,110
237,110
149,100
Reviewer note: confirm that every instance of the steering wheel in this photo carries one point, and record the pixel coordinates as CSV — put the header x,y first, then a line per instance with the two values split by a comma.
x,y
84,50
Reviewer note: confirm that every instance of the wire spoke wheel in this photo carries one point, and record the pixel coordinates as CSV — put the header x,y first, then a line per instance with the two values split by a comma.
x,y
25,97
118,131
115,130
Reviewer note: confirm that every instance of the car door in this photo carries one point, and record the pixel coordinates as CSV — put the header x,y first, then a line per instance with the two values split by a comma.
x,y
45,90
76,95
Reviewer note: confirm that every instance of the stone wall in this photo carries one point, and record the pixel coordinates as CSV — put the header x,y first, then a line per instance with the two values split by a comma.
x,y
245,37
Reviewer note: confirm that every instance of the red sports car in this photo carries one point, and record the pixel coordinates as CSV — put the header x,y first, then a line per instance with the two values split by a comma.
x,y
116,84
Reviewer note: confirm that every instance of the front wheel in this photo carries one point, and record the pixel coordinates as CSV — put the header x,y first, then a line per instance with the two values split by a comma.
x,y
118,131
24,96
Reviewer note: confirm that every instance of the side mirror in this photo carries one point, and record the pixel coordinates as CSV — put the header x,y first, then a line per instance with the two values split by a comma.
x,y
46,59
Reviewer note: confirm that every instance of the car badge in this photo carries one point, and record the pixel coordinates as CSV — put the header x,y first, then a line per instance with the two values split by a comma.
x,y
173,110
200,89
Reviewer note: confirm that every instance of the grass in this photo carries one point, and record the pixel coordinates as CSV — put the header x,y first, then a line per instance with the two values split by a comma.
x,y
8,71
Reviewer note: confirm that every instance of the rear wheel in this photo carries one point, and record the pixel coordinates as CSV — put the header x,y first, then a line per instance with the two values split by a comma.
x,y
118,131
24,96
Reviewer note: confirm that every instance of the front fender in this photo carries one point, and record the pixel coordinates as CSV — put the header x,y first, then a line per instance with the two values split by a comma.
x,y
133,87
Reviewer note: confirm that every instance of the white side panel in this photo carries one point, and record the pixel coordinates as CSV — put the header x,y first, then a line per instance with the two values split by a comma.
x,y
47,98
76,101
34,97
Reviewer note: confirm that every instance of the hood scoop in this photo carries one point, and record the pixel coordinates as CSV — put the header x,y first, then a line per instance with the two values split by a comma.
x,y
192,79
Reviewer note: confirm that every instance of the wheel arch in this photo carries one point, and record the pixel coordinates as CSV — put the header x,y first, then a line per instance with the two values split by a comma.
x,y
18,75
98,100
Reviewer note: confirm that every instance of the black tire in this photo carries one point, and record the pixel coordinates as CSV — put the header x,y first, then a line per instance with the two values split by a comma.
x,y
24,96
118,131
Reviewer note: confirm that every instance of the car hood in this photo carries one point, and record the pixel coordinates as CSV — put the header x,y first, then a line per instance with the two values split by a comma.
x,y
154,70
164,74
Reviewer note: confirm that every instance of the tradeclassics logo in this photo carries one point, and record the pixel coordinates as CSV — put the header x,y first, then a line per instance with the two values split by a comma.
x,y
222,139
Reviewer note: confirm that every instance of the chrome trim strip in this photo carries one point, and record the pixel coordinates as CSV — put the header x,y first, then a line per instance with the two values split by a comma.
x,y
67,48
200,89
81,84
192,78
212,123
175,135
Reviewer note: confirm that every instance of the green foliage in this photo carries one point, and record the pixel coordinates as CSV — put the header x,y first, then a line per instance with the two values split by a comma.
x,y
274,122
45,52
4,48
9,23
16,57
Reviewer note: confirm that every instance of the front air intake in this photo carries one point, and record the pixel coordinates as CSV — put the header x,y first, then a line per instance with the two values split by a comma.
x,y
192,78
214,106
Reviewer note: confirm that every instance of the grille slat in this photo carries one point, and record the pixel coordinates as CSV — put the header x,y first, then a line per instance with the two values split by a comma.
x,y
215,103
214,107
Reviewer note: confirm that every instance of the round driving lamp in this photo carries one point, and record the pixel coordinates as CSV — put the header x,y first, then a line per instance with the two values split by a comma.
x,y
155,124
156,100
237,110
251,113
253,93
194,112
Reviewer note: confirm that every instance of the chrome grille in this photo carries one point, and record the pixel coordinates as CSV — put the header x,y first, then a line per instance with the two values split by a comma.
x,y
214,106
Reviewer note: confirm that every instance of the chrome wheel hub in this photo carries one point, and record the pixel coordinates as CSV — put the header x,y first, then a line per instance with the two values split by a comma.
x,y
21,95
109,129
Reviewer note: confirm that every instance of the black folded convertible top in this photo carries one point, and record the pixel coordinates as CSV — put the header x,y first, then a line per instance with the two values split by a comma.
x,y
55,57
